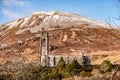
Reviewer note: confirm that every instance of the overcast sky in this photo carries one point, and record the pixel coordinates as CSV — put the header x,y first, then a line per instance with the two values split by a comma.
x,y
97,9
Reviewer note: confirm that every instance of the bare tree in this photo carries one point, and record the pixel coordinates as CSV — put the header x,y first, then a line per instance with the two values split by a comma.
x,y
113,75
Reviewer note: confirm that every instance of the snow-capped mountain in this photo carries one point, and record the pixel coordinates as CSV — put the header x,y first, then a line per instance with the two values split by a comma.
x,y
49,20
69,34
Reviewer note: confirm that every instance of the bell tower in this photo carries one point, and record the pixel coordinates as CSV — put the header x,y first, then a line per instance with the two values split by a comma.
x,y
44,47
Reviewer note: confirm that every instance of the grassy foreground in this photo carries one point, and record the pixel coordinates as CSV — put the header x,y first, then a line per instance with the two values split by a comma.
x,y
73,71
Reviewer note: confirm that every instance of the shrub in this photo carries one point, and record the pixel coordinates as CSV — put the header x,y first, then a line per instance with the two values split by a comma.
x,y
6,76
105,66
68,68
54,70
44,73
34,69
85,74
8,63
57,76
75,72
66,74
61,63
75,65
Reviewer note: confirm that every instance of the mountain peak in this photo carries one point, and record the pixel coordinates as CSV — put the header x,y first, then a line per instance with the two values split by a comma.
x,y
47,13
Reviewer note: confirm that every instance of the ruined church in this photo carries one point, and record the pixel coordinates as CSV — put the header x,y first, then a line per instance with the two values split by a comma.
x,y
47,59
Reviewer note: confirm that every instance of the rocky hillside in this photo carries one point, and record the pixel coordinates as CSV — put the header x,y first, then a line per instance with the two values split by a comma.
x,y
69,34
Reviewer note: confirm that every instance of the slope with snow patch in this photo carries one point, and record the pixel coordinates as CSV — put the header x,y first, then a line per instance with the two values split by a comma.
x,y
49,20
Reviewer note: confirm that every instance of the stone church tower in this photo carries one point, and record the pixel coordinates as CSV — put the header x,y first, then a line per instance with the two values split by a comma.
x,y
44,47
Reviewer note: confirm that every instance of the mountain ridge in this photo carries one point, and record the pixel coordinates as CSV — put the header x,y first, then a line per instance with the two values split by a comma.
x,y
48,19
